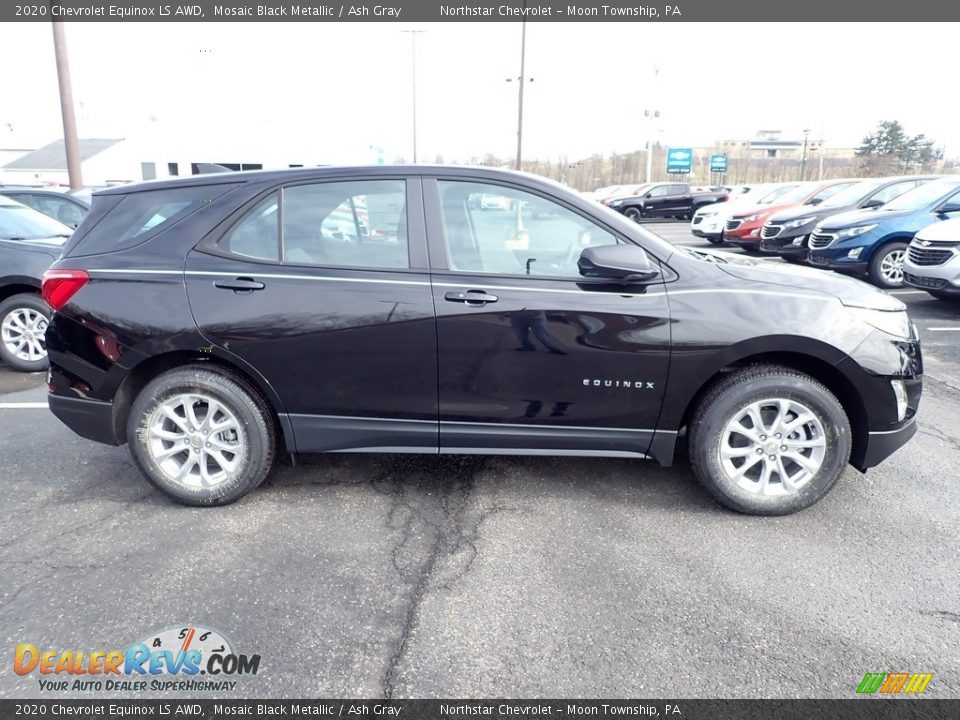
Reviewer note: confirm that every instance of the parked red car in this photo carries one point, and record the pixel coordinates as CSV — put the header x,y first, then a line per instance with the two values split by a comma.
x,y
743,229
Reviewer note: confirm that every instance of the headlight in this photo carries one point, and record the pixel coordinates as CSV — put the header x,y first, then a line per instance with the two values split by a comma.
x,y
616,203
894,323
855,231
705,214
797,223
754,218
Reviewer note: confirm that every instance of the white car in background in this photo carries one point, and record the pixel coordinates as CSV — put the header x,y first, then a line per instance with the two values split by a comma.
x,y
932,262
708,222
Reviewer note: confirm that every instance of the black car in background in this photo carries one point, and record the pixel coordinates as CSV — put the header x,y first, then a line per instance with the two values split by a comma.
x,y
213,322
29,242
677,200
67,207
787,233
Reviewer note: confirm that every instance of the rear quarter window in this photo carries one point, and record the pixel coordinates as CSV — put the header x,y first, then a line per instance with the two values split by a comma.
x,y
140,215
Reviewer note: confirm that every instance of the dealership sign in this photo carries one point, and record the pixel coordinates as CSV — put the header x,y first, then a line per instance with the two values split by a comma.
x,y
679,160
718,163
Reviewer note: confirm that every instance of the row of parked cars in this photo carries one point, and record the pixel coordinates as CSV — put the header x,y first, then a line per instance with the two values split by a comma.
x,y
35,222
890,230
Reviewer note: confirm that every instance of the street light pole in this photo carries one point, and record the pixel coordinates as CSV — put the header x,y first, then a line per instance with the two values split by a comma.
x,y
70,142
413,83
803,160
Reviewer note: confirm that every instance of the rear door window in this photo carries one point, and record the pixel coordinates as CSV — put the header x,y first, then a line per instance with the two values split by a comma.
x,y
141,215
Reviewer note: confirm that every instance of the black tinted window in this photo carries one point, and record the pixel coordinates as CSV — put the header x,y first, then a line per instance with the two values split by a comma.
x,y
141,215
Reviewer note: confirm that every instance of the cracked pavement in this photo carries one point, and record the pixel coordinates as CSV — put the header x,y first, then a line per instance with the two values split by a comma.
x,y
416,576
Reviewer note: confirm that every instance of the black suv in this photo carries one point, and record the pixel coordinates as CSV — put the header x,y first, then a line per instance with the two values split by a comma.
x,y
29,242
212,321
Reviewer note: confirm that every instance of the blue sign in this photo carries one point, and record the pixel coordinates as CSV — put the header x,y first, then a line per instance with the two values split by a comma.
x,y
679,160
718,163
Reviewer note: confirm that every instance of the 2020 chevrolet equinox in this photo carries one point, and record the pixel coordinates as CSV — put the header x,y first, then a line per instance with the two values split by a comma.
x,y
211,321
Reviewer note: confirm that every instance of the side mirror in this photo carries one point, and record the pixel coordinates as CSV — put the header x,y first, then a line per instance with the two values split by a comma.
x,y
948,207
872,203
649,195
815,201
623,263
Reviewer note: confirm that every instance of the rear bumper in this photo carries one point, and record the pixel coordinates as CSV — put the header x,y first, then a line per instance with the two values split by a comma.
x,y
90,419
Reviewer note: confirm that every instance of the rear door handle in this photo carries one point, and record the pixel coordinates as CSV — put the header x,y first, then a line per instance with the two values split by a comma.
x,y
470,297
240,284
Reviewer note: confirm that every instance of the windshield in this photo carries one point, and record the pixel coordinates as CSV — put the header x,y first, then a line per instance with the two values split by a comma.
x,y
853,194
921,196
776,193
797,194
18,222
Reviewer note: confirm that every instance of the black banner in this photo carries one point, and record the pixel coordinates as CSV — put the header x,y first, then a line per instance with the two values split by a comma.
x,y
872,709
474,11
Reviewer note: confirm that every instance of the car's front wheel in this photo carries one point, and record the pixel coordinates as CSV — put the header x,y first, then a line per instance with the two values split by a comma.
x,y
23,324
633,213
201,436
769,440
886,267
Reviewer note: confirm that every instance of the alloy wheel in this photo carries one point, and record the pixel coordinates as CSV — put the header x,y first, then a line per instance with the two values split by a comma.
x,y
196,440
891,267
22,333
772,447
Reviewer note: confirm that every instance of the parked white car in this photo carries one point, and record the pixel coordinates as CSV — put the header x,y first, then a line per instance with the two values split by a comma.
x,y
932,262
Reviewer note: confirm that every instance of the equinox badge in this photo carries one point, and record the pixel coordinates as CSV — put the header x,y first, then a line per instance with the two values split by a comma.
x,y
634,384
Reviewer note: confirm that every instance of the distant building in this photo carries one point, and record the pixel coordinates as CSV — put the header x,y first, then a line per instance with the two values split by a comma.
x,y
769,144
102,161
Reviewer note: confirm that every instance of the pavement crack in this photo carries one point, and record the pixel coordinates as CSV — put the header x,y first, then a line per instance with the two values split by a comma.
x,y
430,518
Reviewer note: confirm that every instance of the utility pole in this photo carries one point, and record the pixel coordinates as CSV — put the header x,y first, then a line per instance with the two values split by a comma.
x,y
522,79
413,82
70,142
803,160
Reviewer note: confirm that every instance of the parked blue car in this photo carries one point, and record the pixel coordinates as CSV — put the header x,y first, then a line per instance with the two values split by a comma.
x,y
874,242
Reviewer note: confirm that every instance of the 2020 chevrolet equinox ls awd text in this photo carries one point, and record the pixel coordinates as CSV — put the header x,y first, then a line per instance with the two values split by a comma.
x,y
211,322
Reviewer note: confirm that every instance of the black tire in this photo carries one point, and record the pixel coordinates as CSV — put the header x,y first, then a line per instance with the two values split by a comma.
x,y
15,307
731,396
948,295
632,213
254,426
715,240
876,265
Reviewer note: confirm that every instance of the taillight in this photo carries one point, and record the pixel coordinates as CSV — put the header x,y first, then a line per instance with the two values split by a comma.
x,y
61,285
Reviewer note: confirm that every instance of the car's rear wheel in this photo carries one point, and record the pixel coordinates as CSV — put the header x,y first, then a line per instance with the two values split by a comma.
x,y
633,213
769,440
201,436
886,267
23,323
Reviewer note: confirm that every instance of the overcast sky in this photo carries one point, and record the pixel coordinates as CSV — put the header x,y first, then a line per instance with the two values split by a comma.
x,y
349,84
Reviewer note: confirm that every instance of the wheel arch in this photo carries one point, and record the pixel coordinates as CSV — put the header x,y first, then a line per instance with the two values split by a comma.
x,y
816,367
146,370
18,285
898,236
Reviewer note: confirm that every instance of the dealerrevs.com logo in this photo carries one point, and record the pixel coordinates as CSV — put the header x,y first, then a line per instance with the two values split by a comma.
x,y
901,683
172,659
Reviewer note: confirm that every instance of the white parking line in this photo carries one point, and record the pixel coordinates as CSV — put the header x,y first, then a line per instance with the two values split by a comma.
x,y
944,329
908,292
24,406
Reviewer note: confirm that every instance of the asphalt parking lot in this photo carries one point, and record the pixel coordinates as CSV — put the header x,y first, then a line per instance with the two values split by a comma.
x,y
407,576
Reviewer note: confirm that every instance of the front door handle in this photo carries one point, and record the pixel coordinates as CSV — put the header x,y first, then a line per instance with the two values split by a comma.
x,y
240,284
470,297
